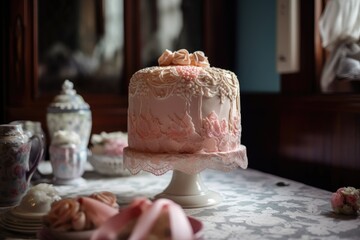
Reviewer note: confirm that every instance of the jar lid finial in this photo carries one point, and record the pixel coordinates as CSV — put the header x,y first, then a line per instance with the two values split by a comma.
x,y
68,99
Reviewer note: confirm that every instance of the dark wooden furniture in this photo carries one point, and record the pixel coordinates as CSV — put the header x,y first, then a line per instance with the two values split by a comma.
x,y
302,133
299,133
21,98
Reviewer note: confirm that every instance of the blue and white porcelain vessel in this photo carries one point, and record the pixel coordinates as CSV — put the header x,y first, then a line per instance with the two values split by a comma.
x,y
70,112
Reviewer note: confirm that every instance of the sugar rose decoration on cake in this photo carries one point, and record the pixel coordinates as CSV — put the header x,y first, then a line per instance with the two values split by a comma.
x,y
184,106
183,57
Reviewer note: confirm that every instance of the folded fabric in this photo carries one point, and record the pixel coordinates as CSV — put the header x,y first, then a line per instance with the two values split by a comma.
x,y
340,22
143,219
349,69
339,27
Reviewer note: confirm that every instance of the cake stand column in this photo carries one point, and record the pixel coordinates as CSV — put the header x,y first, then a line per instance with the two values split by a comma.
x,y
189,191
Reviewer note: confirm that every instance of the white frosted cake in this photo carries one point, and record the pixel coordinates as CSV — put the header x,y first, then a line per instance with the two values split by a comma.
x,y
184,106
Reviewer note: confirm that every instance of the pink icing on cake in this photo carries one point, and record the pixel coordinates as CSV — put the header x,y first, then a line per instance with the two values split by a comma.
x,y
184,115
184,106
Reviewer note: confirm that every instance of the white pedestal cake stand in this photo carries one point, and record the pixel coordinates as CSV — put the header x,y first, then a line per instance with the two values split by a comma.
x,y
189,191
186,187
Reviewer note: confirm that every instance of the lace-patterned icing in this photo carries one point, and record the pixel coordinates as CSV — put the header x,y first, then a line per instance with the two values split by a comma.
x,y
187,84
178,135
160,163
185,81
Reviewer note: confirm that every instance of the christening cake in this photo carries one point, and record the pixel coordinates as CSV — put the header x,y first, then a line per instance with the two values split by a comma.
x,y
184,106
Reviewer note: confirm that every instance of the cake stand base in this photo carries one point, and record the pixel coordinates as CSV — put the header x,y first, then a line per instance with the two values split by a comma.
x,y
189,191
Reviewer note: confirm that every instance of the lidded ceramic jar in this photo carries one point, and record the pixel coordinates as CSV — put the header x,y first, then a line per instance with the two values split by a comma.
x,y
69,112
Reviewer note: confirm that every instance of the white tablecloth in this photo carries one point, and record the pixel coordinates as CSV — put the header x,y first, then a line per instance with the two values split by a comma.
x,y
254,206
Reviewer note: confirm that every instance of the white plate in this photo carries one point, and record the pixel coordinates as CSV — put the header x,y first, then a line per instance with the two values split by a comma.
x,y
6,221
22,224
15,219
27,225
46,233
5,209
109,165
70,182
20,229
28,215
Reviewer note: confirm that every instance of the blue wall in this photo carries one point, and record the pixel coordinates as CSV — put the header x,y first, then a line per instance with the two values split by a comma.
x,y
255,53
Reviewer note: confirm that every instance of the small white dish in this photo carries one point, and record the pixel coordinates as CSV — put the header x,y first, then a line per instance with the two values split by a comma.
x,y
20,228
11,221
11,217
70,182
28,215
22,231
5,209
108,165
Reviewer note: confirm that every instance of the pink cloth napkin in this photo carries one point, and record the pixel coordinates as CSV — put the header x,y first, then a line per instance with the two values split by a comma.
x,y
145,214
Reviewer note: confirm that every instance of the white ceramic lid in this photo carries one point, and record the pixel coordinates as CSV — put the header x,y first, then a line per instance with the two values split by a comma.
x,y
68,100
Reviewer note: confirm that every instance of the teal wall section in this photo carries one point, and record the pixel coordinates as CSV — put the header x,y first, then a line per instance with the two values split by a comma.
x,y
256,46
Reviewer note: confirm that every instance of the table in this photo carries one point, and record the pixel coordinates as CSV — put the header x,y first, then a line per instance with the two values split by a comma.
x,y
255,205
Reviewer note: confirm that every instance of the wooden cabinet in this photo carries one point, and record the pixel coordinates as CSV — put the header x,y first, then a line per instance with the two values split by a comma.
x,y
302,133
299,133
22,98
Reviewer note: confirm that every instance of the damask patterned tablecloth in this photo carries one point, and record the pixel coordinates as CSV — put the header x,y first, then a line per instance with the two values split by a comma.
x,y
254,205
